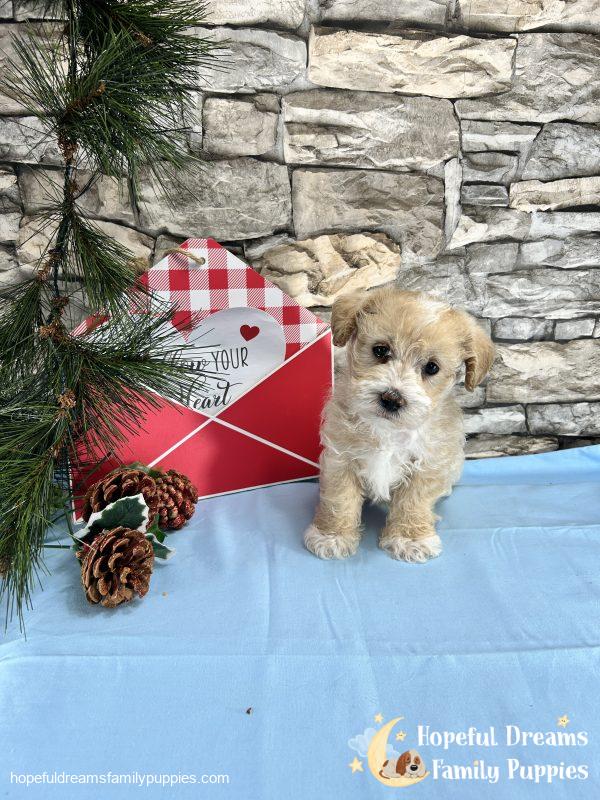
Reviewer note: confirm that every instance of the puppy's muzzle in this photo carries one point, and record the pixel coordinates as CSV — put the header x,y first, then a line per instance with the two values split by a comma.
x,y
391,400
414,767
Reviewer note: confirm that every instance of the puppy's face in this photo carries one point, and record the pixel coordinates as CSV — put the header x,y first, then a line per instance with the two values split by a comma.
x,y
410,764
405,350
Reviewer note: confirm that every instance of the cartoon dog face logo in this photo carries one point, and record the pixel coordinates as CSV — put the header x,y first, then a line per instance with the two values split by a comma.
x,y
408,765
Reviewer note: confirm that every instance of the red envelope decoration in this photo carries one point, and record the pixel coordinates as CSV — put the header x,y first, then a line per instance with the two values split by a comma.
x,y
255,421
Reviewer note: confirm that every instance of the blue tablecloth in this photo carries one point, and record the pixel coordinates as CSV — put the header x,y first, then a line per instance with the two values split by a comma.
x,y
252,660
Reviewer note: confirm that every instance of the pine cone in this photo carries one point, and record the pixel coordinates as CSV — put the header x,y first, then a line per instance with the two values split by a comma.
x,y
169,495
176,498
4,566
116,566
121,482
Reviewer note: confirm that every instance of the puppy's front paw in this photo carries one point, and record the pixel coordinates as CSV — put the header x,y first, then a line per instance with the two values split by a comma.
x,y
329,545
416,551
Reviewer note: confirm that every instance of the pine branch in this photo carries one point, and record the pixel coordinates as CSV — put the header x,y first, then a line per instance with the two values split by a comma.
x,y
111,81
127,90
78,399
119,369
31,436
21,316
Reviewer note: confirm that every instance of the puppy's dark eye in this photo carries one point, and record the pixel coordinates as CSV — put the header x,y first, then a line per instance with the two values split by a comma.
x,y
381,351
431,368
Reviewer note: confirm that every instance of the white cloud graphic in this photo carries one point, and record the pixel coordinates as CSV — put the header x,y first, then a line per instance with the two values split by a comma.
x,y
361,742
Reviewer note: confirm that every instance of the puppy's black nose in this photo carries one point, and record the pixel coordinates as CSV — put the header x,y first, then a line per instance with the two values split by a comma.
x,y
414,767
391,400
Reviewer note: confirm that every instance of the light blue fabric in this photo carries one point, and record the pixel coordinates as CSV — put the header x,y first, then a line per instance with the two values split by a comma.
x,y
502,629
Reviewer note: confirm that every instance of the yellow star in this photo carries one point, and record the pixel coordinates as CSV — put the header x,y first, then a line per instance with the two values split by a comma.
x,y
356,765
563,721
378,719
401,736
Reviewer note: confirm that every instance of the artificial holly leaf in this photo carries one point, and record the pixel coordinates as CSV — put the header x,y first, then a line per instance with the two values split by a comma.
x,y
127,512
160,549
157,532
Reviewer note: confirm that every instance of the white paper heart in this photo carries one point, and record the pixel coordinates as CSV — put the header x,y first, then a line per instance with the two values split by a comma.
x,y
236,347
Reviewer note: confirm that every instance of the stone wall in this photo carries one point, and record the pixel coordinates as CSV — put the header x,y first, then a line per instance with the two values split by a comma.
x,y
451,146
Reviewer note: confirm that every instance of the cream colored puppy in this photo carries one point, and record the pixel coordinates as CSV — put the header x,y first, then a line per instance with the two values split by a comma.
x,y
392,431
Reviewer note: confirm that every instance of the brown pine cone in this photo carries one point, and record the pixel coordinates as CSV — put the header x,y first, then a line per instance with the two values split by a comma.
x,y
121,482
4,566
116,566
176,498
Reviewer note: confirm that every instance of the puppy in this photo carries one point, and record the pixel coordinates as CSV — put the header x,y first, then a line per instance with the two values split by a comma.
x,y
408,765
392,431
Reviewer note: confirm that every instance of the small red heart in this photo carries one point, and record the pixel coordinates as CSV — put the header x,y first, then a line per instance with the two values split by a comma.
x,y
249,331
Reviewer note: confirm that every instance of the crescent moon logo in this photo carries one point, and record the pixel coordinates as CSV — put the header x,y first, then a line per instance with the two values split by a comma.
x,y
376,756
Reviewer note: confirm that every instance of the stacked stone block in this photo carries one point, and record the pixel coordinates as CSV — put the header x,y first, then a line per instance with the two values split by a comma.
x,y
447,146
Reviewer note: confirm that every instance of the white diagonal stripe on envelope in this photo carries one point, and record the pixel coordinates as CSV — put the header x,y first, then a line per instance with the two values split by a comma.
x,y
238,430
215,417
251,488
266,441
180,442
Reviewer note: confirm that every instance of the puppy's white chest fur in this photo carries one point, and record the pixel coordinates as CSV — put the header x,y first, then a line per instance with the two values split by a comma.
x,y
390,463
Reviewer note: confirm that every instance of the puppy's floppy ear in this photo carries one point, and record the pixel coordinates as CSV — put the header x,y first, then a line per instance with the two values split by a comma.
x,y
403,763
478,350
343,316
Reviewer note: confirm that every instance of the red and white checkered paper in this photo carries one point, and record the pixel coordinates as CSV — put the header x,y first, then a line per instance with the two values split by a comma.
x,y
226,282
222,282
269,434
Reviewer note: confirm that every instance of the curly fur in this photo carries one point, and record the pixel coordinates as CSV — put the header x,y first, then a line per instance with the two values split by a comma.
x,y
410,457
